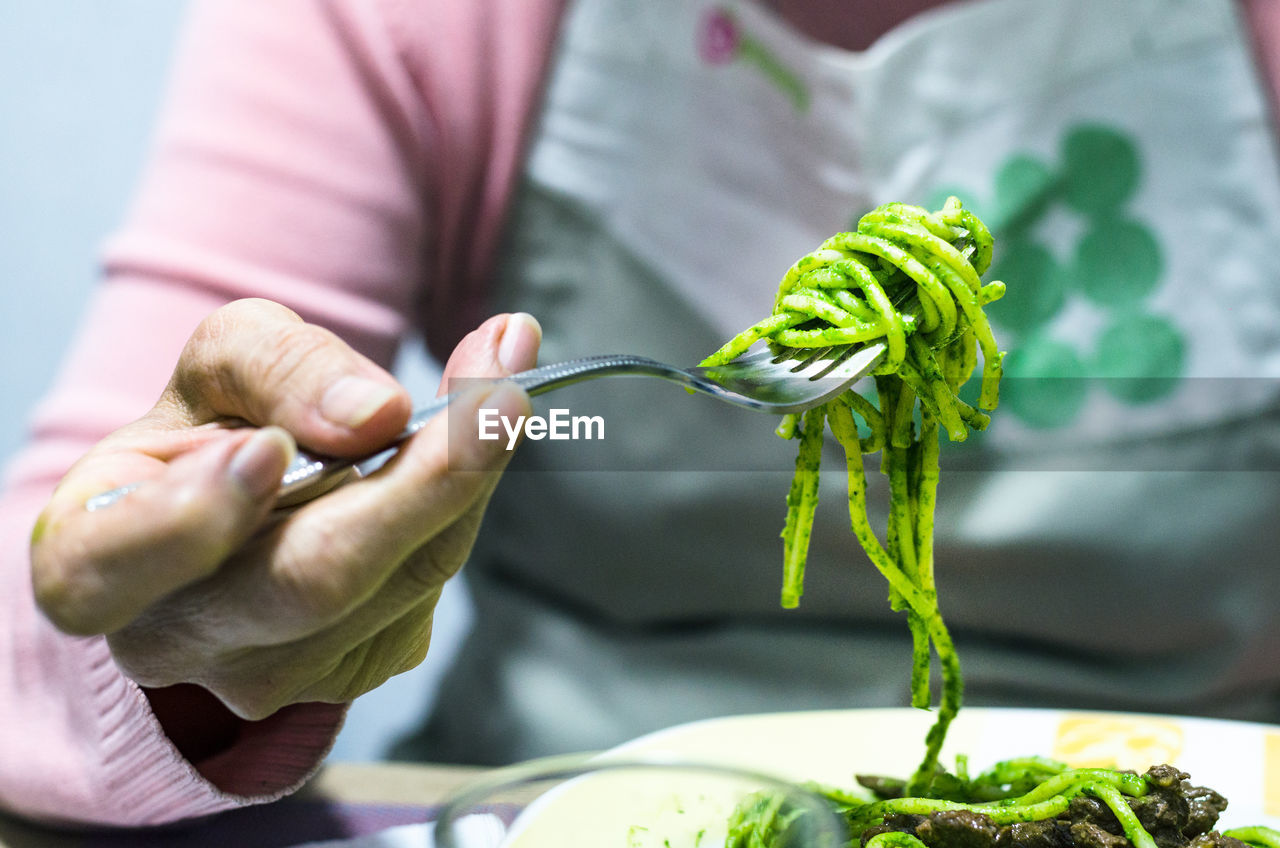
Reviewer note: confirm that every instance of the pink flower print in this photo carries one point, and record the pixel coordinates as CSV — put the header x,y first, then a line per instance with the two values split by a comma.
x,y
721,41
719,37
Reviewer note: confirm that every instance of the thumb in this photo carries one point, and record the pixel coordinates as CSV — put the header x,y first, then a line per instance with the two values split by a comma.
x,y
501,346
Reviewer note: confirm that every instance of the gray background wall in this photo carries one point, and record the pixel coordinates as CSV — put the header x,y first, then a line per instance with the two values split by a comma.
x,y
80,82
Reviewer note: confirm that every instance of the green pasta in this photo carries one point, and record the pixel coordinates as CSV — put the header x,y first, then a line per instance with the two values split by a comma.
x,y
1259,835
911,279
1029,802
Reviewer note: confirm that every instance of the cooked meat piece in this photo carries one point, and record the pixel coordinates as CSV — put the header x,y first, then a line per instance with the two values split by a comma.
x,y
957,829
1175,813
1049,833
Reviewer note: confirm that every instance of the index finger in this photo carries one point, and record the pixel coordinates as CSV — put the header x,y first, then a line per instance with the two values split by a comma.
x,y
93,572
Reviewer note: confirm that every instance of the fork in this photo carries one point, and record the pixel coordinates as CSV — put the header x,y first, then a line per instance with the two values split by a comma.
x,y
775,380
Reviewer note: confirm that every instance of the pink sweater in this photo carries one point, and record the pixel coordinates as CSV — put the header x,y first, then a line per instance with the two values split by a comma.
x,y
353,160
398,173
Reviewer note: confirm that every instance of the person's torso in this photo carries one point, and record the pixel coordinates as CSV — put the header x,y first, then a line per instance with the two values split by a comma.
x,y
1106,542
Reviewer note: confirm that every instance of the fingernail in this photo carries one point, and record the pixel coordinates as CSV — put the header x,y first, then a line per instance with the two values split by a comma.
x,y
518,350
352,401
261,461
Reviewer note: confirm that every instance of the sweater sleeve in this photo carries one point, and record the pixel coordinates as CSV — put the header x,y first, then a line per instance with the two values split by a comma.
x,y
1262,17
298,160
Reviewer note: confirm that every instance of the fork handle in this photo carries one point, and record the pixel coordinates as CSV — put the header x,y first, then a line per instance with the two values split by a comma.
x,y
309,474
544,378
307,471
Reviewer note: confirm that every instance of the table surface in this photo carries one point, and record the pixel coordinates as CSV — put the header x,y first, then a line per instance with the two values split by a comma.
x,y
350,795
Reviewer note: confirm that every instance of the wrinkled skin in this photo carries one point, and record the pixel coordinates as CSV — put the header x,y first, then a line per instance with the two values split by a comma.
x,y
195,579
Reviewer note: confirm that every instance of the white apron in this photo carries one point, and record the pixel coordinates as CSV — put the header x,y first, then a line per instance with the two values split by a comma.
x,y
1101,546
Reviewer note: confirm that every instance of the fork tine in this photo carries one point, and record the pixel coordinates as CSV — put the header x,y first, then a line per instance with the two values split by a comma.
x,y
794,358
807,358
840,357
801,361
767,354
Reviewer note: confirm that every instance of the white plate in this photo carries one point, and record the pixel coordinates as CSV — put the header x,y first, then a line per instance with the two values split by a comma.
x,y
1239,759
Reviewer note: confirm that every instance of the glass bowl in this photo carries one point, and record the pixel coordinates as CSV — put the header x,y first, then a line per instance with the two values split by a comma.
x,y
590,801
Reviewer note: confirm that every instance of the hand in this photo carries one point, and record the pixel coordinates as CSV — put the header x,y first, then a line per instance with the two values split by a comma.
x,y
193,577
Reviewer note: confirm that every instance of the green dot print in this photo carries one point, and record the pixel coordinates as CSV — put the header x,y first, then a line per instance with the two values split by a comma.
x,y
1100,169
1044,383
1141,357
1068,243
1023,187
1118,263
1038,293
